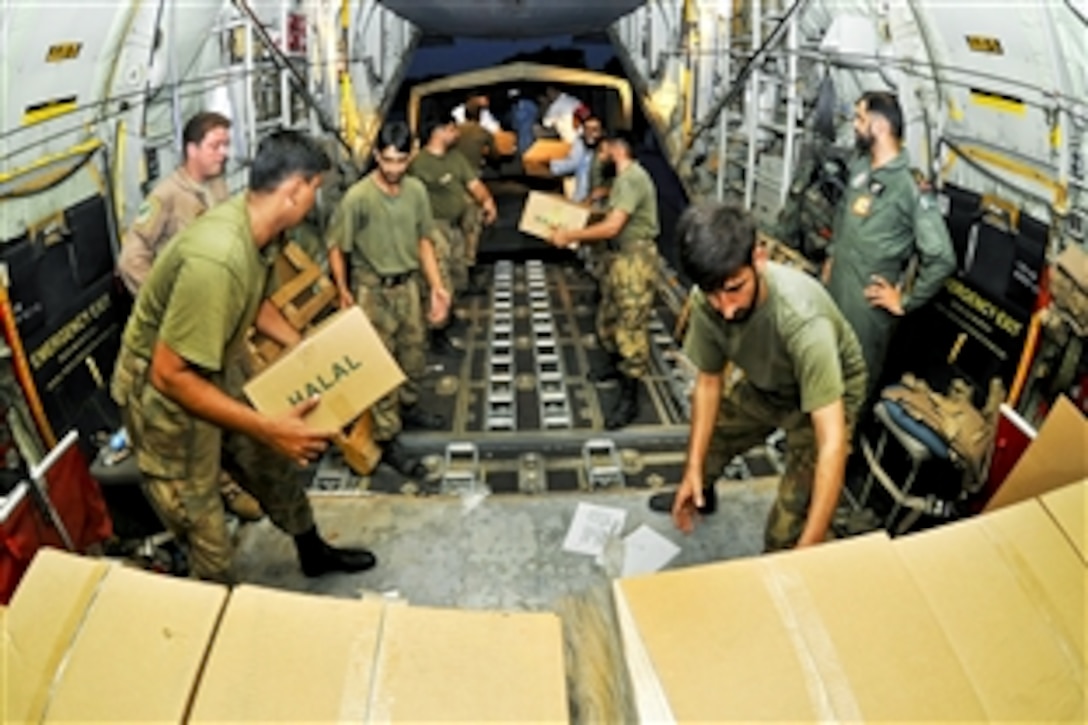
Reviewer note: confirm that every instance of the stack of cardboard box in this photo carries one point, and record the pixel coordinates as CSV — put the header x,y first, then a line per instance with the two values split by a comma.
x,y
980,620
86,640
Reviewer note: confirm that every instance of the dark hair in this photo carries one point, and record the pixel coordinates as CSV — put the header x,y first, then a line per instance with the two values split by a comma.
x,y
473,107
431,124
282,154
885,105
199,126
395,134
716,241
622,138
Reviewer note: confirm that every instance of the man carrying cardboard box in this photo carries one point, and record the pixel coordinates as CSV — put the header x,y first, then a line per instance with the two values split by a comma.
x,y
183,414
803,371
627,286
384,222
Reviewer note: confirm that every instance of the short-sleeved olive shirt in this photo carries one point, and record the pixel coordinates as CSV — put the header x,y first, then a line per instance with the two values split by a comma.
x,y
473,142
382,231
634,193
796,347
446,177
204,291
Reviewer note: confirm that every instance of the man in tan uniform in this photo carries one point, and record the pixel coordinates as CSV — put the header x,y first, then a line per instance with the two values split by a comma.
x,y
174,203
193,188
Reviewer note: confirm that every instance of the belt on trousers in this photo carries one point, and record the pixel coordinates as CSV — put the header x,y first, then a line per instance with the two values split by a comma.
x,y
615,245
388,280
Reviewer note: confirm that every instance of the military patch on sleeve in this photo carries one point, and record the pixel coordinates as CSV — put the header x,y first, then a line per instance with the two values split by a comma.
x,y
147,212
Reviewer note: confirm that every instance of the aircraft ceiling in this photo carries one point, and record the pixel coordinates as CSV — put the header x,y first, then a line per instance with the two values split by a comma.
x,y
511,18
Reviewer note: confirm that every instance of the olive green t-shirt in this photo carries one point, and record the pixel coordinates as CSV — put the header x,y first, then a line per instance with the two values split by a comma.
x,y
633,192
446,178
796,347
382,231
473,141
204,290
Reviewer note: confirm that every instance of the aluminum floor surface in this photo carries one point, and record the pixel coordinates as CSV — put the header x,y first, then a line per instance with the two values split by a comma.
x,y
504,553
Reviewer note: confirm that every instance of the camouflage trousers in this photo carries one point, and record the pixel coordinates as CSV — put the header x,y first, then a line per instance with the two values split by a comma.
x,y
472,226
627,298
397,316
180,458
745,419
449,249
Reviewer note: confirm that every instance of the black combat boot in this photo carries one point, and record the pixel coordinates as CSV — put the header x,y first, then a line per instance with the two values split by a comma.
x,y
663,501
626,408
317,557
604,371
404,463
416,417
478,283
442,343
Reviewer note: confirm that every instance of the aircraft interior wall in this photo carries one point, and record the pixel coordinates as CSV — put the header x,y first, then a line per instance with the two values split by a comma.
x,y
995,107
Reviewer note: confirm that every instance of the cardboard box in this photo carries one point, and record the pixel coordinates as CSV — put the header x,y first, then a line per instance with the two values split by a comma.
x,y
1009,591
836,632
95,642
536,161
543,213
343,361
441,665
544,150
506,143
1057,456
287,657
982,620
1068,506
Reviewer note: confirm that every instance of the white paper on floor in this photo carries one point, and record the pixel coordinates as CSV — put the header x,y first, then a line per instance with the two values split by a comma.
x,y
645,551
591,527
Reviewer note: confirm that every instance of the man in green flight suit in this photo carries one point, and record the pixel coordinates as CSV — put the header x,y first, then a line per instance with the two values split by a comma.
x,y
384,222
883,219
173,378
802,371
448,176
627,285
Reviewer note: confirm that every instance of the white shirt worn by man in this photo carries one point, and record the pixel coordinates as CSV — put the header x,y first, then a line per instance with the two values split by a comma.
x,y
487,119
560,116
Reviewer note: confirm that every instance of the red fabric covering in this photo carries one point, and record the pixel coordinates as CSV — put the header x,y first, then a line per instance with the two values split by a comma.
x,y
82,509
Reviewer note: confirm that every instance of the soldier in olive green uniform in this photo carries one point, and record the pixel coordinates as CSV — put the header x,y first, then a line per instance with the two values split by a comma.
x,y
473,140
384,222
476,143
447,175
627,287
802,369
189,323
882,221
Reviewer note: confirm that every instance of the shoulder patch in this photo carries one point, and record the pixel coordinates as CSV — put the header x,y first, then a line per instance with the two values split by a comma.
x,y
148,210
